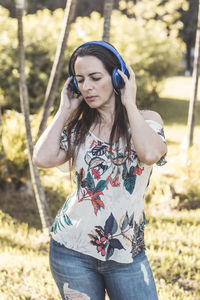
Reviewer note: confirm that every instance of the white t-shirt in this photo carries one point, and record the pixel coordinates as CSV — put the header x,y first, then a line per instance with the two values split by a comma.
x,y
104,216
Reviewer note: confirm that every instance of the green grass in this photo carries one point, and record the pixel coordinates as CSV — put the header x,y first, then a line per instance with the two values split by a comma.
x,y
24,269
178,87
173,250
172,236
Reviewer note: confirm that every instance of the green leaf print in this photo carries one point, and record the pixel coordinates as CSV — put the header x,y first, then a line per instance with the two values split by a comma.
x,y
67,220
100,186
129,182
90,182
62,218
124,222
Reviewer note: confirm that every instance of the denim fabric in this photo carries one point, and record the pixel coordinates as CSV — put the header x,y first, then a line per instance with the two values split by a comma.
x,y
80,276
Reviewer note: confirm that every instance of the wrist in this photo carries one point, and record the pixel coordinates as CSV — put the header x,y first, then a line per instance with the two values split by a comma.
x,y
63,114
130,105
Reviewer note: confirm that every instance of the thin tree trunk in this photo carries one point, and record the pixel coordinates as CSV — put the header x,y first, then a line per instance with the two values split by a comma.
x,y
58,62
108,6
2,153
195,77
35,177
3,166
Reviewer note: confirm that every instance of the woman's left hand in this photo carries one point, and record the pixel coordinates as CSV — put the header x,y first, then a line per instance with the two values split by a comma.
x,y
128,92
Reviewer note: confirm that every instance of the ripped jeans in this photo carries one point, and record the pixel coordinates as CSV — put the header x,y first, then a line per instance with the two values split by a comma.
x,y
80,276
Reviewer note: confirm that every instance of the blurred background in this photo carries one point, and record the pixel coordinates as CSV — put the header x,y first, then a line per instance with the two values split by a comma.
x,y
160,39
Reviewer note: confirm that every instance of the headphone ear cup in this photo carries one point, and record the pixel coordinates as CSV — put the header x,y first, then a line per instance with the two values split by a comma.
x,y
117,80
74,85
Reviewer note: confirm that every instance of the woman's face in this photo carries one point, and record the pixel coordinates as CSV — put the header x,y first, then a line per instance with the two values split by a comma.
x,y
94,82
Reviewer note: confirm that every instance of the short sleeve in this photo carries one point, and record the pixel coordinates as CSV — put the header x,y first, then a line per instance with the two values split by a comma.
x,y
157,127
64,140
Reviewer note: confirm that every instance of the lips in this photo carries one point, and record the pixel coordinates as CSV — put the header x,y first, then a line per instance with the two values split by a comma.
x,y
90,98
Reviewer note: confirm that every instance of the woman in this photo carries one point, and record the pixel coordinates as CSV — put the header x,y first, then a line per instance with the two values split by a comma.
x,y
97,239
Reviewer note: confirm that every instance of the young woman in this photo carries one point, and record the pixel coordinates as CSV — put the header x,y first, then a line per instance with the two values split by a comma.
x,y
97,239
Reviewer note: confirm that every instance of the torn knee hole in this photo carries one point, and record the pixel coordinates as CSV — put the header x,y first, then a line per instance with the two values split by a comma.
x,y
146,277
71,294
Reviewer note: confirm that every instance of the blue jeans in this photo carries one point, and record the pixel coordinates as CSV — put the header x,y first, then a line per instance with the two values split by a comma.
x,y
80,276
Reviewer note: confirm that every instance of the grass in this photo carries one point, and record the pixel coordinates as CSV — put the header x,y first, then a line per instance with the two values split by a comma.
x,y
172,236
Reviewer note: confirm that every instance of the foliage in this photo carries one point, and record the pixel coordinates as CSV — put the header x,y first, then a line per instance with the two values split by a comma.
x,y
14,142
40,47
150,50
84,7
168,12
14,139
147,48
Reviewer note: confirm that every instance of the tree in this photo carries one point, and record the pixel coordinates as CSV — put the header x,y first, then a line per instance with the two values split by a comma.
x,y
195,77
3,166
35,177
108,6
84,7
188,32
58,62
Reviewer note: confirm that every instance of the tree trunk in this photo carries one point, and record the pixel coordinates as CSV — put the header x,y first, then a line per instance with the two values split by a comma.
x,y
195,77
108,6
58,62
35,177
3,166
188,57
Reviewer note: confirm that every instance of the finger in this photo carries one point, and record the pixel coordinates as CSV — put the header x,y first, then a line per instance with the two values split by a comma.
x,y
67,82
66,88
123,75
80,97
130,70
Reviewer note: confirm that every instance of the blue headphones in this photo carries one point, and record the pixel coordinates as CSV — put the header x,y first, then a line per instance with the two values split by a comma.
x,y
117,80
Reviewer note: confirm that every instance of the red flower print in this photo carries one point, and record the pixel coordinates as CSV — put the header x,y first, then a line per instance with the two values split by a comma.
x,y
104,239
96,174
101,245
138,171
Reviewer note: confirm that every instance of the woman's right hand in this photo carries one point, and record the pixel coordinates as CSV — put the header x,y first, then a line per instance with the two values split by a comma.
x,y
69,102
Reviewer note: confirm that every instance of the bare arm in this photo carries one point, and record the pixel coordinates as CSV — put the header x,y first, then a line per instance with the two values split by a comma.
x,y
148,144
47,152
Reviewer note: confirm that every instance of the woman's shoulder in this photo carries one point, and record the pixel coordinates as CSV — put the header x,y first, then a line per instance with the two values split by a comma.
x,y
152,115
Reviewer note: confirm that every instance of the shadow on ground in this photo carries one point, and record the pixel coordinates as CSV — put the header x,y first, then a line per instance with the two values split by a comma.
x,y
174,111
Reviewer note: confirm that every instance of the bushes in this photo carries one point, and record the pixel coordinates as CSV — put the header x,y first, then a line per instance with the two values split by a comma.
x,y
41,35
14,142
147,48
152,53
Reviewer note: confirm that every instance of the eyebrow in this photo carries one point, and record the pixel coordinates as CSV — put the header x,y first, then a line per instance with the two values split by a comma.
x,y
93,73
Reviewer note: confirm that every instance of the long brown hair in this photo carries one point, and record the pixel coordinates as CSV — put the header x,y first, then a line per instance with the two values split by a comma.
x,y
84,116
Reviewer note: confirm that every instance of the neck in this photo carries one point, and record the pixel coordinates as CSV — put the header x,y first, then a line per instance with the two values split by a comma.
x,y
107,114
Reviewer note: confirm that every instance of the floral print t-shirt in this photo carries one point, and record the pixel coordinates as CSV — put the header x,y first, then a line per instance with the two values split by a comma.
x,y
104,216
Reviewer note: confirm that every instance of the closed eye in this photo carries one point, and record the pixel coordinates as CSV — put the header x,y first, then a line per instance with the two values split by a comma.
x,y
93,78
96,79
80,80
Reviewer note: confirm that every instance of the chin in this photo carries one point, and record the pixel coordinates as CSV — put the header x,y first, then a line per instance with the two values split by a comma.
x,y
93,104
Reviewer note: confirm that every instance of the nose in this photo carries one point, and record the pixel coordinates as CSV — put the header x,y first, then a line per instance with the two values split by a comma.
x,y
87,84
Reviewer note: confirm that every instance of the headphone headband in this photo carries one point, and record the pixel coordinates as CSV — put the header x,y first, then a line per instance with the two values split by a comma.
x,y
117,80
